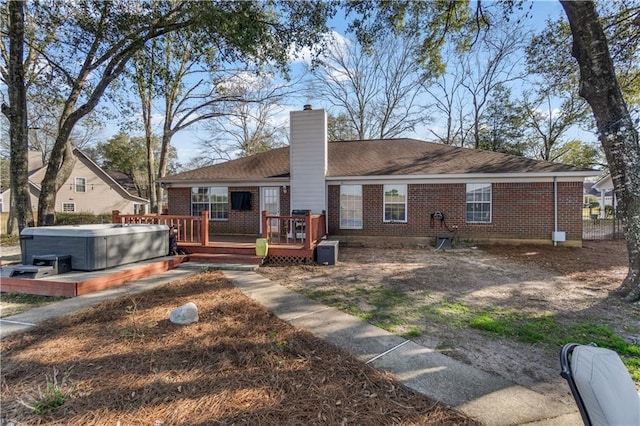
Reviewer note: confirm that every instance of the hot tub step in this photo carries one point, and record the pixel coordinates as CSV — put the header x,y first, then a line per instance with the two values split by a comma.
x,y
242,259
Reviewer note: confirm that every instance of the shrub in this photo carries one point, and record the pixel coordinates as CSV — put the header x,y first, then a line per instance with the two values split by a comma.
x,y
82,218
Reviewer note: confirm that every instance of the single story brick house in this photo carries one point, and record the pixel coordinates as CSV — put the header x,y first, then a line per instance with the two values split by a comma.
x,y
389,191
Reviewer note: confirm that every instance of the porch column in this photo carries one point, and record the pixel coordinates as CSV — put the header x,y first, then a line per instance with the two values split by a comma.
x,y
603,210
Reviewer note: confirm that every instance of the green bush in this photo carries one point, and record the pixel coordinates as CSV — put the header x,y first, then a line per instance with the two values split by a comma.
x,y
82,218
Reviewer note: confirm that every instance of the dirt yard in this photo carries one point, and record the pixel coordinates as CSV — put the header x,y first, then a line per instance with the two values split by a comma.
x,y
124,363
567,284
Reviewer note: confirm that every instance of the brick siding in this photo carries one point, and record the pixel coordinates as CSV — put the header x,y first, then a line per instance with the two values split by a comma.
x,y
519,211
245,222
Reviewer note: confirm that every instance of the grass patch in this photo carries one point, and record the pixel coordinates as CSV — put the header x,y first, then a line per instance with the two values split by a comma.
x,y
547,330
54,395
394,311
384,305
15,303
9,240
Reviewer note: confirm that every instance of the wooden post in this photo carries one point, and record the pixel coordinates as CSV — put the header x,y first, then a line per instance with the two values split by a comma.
x,y
204,238
265,231
308,230
323,221
115,216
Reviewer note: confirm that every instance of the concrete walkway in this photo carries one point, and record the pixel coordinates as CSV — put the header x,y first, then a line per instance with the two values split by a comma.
x,y
485,397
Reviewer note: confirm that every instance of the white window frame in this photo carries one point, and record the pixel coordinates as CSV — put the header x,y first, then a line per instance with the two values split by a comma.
x,y
403,192
351,216
76,185
139,208
65,204
479,196
218,209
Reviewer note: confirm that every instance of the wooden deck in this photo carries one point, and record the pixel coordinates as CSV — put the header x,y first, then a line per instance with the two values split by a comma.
x,y
291,238
78,283
223,249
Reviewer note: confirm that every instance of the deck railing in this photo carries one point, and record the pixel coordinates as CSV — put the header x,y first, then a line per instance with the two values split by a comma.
x,y
191,229
306,229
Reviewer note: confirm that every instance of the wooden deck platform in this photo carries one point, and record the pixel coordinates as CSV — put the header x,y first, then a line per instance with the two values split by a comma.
x,y
77,283
220,250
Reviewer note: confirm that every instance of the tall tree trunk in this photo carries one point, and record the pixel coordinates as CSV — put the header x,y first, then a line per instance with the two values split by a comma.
x,y
12,221
58,171
16,113
167,134
619,138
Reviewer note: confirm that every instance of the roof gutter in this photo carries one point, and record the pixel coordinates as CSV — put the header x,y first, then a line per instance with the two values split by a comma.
x,y
465,177
166,183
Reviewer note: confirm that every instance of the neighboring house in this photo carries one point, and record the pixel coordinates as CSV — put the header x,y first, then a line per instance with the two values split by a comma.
x,y
603,188
383,191
89,189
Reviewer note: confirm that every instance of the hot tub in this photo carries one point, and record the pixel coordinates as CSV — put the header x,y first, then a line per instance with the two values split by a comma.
x,y
95,247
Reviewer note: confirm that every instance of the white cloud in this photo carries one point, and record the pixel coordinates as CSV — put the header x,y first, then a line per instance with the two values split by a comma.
x,y
305,55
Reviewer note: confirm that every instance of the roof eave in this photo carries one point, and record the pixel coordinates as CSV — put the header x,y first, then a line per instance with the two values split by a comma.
x,y
522,176
226,182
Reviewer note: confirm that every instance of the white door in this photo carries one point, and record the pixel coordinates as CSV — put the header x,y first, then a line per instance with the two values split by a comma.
x,y
270,201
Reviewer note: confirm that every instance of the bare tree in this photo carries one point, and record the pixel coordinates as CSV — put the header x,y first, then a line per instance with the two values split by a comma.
x,y
248,125
448,99
493,61
547,126
377,89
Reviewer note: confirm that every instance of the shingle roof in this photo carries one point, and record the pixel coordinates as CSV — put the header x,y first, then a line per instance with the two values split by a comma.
x,y
273,163
388,157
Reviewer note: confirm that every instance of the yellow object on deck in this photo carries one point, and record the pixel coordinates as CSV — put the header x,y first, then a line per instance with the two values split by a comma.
x,y
262,247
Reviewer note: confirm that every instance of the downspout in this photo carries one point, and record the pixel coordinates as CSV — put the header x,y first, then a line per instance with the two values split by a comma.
x,y
555,209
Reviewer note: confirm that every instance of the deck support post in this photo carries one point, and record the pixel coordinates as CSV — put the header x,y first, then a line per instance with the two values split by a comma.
x,y
308,229
115,216
265,231
204,238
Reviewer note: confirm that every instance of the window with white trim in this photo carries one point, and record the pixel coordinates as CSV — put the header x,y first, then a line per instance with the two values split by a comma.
x,y
80,184
478,203
68,207
395,203
214,198
350,206
139,208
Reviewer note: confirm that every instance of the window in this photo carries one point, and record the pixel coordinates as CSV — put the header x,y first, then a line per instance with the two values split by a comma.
x,y
199,200
139,209
350,206
215,199
80,184
219,203
69,207
479,203
395,203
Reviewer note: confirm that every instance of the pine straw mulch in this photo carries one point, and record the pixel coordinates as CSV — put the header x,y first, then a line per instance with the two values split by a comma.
x,y
124,363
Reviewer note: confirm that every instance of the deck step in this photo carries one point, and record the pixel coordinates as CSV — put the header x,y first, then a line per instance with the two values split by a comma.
x,y
226,258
